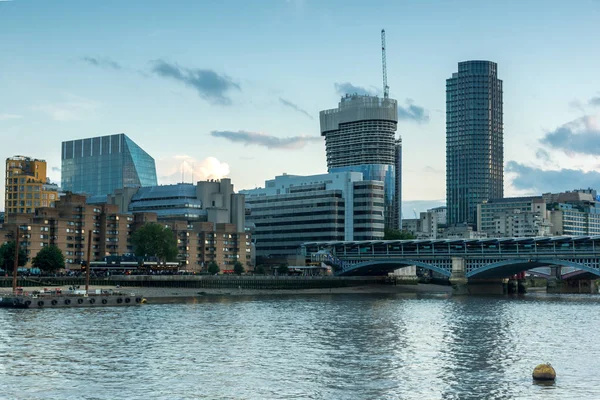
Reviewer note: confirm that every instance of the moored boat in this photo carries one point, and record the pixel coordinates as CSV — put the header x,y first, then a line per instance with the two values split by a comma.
x,y
56,299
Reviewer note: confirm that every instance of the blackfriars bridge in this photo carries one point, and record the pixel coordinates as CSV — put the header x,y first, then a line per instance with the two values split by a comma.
x,y
459,259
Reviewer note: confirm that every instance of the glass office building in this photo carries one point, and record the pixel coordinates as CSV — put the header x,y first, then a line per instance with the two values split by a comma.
x,y
99,165
360,137
474,140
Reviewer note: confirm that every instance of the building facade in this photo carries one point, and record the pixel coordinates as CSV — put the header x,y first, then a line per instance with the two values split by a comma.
x,y
441,214
360,137
424,227
514,217
474,139
27,187
291,210
100,165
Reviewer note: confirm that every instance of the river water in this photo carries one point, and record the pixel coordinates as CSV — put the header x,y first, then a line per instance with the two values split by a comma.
x,y
306,347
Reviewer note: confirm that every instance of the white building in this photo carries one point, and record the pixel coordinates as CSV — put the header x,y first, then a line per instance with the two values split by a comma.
x,y
291,210
424,227
441,214
514,217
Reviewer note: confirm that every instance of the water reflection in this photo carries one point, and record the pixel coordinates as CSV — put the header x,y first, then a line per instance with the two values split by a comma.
x,y
315,347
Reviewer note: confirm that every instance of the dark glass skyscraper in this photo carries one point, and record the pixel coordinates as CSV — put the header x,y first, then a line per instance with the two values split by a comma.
x,y
99,165
474,139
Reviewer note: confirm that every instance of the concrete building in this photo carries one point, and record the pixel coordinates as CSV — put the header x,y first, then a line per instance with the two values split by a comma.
x,y
66,227
514,217
101,165
441,214
463,231
574,213
398,194
474,139
291,210
360,137
27,187
210,201
424,227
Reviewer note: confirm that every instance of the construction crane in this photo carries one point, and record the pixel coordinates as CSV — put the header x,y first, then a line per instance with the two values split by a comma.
x,y
386,88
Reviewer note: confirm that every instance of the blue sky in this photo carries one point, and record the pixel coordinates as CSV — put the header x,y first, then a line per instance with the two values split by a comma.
x,y
234,87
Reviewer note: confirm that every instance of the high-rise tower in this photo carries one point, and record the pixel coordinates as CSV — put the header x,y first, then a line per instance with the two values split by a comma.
x,y
474,139
359,137
99,165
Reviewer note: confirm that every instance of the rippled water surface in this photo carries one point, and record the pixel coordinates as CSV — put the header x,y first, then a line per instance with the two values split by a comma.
x,y
319,347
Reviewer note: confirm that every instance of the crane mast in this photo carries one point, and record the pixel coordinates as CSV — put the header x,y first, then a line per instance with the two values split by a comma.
x,y
386,88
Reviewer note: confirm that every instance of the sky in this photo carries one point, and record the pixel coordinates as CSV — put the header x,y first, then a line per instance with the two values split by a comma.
x,y
234,88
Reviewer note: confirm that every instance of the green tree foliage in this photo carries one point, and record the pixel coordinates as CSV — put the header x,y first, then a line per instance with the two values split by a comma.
x,y
259,269
394,234
49,259
238,268
213,268
283,269
155,240
7,256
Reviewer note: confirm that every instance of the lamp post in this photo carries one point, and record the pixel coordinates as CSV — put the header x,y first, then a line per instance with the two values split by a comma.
x,y
16,261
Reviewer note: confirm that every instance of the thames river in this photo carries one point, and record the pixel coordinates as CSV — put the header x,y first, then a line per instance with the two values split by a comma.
x,y
306,347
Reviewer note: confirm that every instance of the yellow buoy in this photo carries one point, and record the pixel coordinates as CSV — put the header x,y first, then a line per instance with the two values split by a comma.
x,y
544,372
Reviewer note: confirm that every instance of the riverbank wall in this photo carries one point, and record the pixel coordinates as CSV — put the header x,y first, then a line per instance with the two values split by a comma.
x,y
203,281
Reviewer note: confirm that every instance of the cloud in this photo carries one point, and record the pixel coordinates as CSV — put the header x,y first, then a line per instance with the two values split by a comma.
x,y
210,86
348,88
191,169
543,156
413,113
430,169
294,107
537,180
102,62
6,117
270,142
594,101
73,109
55,169
581,136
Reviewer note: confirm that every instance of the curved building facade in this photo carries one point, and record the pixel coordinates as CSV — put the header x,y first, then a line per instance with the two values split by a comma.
x,y
360,137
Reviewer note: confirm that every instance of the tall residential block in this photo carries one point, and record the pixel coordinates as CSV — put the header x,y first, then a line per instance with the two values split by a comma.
x,y
359,137
100,165
474,140
27,186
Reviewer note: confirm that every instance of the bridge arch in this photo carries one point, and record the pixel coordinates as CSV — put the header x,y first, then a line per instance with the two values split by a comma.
x,y
520,265
390,265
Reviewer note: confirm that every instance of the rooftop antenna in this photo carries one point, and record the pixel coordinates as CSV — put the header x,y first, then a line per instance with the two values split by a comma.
x,y
386,88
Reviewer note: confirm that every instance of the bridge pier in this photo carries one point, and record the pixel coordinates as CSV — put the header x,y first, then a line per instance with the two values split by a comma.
x,y
458,279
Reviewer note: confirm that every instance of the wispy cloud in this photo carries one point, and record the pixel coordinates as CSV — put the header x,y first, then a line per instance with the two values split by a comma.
x,y
55,169
293,106
594,101
72,109
348,88
268,141
103,62
537,180
581,136
191,169
210,85
6,117
413,112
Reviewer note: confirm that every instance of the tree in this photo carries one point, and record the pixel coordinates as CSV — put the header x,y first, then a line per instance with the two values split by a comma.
x,y
283,269
7,256
259,269
213,268
394,234
238,268
49,259
155,240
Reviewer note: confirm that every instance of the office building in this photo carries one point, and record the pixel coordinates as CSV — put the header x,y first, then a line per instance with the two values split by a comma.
x,y
100,165
291,210
359,137
441,214
398,190
27,186
574,213
514,217
424,227
474,139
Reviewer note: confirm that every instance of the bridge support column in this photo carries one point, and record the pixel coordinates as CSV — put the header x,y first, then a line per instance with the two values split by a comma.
x,y
458,279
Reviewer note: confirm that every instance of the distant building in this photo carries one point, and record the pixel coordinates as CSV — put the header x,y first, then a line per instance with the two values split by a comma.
x,y
441,214
474,139
359,137
291,210
574,213
210,201
424,227
100,165
514,217
463,231
27,186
